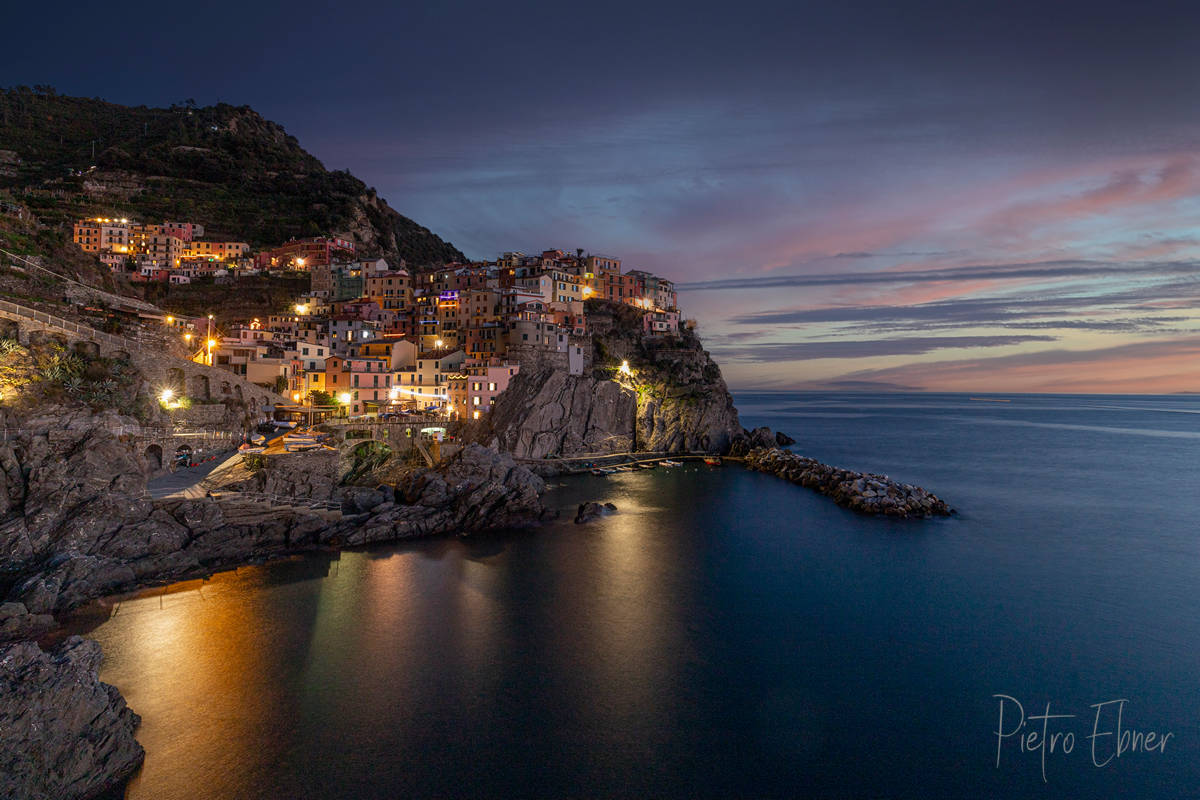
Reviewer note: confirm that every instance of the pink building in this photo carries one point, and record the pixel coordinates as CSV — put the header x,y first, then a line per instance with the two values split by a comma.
x,y
485,381
360,384
661,323
183,230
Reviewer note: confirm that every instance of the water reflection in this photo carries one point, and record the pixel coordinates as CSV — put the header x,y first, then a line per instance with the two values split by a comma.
x,y
724,634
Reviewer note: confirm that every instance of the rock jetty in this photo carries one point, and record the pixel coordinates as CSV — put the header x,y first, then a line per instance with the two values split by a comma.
x,y
863,492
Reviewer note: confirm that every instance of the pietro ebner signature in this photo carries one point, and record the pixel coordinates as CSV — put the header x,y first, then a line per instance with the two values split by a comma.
x,y
1107,733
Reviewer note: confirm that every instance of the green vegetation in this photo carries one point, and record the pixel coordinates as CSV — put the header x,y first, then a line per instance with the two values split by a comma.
x,y
367,457
318,398
224,166
49,372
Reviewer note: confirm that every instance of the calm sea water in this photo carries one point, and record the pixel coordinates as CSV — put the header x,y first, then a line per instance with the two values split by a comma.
x,y
726,634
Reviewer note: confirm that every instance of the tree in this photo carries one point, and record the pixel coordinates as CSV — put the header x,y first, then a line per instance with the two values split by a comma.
x,y
318,398
281,383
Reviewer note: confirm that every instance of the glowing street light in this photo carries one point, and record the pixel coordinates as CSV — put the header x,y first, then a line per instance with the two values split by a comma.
x,y
166,395
301,308
438,344
624,369
299,262
295,397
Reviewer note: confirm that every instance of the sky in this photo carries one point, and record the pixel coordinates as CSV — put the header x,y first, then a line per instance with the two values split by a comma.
x,y
947,196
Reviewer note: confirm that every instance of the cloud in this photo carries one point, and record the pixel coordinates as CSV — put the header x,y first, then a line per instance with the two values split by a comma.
x,y
1036,270
1157,366
913,345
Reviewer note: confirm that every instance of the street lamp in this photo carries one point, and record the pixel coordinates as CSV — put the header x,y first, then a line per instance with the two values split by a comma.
x,y
211,343
438,344
624,369
344,398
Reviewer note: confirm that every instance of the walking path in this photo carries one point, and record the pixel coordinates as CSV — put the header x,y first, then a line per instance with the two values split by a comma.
x,y
186,482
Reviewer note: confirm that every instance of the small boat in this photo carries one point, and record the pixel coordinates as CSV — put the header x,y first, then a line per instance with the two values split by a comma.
x,y
598,471
712,461
291,423
666,462
647,465
250,449
258,438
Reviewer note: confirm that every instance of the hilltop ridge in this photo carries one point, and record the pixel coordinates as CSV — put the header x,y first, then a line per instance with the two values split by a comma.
x,y
240,174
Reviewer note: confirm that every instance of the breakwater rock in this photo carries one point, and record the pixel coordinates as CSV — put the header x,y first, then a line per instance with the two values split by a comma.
x,y
863,492
65,734
593,510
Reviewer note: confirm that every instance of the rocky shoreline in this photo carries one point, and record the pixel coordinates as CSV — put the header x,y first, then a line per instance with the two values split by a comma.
x,y
65,734
75,525
866,493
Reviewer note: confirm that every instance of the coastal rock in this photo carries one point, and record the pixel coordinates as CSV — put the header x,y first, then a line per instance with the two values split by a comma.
x,y
759,438
865,493
549,412
64,734
782,439
592,510
17,623
673,400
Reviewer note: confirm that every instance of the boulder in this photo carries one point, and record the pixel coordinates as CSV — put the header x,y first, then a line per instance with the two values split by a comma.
x,y
592,510
64,733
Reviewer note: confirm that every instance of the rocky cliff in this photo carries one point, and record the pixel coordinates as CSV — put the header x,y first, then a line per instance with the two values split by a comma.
x,y
76,523
64,734
672,399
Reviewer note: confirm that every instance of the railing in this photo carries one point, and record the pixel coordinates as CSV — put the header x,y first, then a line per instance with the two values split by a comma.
x,y
26,312
10,434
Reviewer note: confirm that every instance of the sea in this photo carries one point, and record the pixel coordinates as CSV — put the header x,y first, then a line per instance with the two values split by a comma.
x,y
725,633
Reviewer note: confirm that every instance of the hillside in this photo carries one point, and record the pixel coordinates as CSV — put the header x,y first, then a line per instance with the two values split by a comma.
x,y
241,176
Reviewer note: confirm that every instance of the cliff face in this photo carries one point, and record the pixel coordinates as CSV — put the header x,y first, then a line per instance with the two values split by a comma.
x,y
672,400
64,733
549,412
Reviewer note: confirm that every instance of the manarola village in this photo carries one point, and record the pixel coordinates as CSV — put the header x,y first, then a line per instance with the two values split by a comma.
x,y
788,400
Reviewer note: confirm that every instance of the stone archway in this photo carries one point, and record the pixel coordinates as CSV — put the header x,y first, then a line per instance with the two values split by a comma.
x,y
47,339
237,392
176,380
88,349
198,387
225,388
153,458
